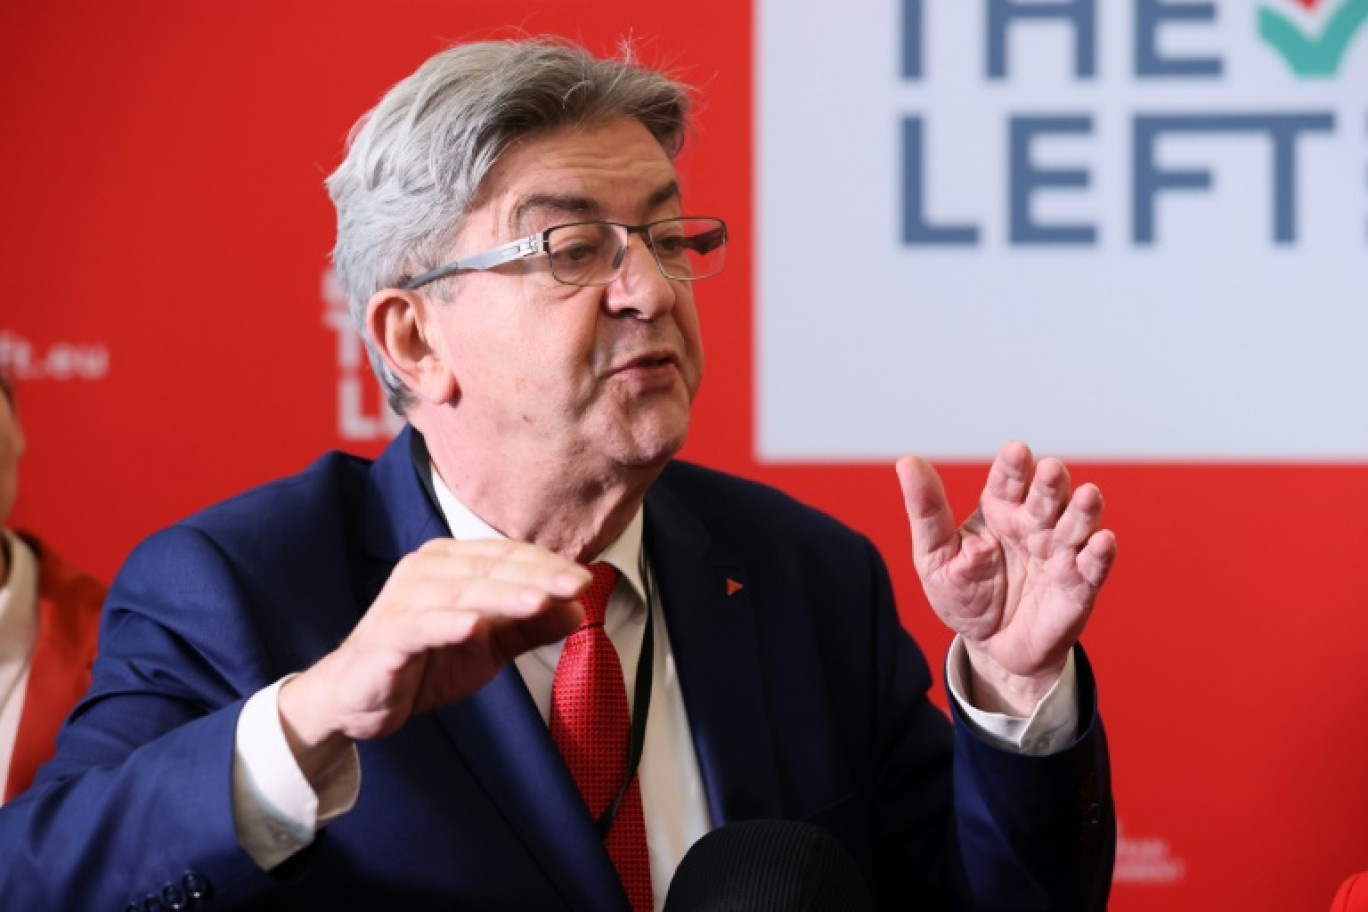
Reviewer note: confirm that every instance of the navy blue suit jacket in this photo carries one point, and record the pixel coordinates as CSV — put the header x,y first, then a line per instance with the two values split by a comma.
x,y
805,697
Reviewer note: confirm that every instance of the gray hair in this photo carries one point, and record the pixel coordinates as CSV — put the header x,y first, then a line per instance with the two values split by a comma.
x,y
415,162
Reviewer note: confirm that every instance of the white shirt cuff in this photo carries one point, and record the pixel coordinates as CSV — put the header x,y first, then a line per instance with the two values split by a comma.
x,y
276,812
1051,727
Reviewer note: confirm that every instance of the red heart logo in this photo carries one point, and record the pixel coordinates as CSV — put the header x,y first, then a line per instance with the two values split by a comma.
x,y
1309,4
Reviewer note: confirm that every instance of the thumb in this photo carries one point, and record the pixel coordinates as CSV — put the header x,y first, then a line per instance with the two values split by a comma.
x,y
928,511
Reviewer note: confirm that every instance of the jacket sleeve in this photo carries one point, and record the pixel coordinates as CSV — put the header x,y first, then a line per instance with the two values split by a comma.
x,y
137,801
1014,832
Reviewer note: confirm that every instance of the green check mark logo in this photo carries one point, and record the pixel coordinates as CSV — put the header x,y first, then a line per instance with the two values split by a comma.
x,y
1310,56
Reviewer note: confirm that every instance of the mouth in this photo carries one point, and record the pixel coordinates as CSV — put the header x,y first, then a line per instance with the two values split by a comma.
x,y
651,361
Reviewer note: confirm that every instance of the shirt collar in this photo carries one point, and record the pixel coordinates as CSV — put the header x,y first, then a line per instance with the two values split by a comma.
x,y
624,552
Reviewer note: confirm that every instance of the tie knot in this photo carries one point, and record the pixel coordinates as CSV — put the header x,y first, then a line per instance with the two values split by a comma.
x,y
594,598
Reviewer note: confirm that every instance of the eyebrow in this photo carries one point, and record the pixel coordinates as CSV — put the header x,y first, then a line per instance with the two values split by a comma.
x,y
582,205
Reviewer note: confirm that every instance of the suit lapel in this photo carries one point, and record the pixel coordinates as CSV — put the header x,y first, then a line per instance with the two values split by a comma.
x,y
508,747
715,639
497,731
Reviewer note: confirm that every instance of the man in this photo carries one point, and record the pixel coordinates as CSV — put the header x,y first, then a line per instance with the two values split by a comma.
x,y
49,620
349,687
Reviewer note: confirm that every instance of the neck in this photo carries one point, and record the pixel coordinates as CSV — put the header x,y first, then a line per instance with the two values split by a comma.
x,y
576,516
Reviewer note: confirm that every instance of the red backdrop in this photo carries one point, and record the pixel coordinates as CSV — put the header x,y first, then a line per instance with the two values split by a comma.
x,y
165,229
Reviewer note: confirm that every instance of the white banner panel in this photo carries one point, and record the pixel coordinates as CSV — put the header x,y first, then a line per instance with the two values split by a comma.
x,y
1119,230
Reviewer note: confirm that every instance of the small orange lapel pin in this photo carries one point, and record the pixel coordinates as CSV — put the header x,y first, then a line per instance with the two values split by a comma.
x,y
733,586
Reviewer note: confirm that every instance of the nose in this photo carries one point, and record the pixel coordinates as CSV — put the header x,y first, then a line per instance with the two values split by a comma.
x,y
640,288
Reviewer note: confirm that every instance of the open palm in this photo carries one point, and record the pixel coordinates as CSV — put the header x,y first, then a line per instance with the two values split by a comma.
x,y
1019,578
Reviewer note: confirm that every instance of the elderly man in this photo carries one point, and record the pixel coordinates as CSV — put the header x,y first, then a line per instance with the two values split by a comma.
x,y
525,659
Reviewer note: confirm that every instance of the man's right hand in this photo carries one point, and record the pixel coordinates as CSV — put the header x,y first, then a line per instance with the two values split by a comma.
x,y
451,615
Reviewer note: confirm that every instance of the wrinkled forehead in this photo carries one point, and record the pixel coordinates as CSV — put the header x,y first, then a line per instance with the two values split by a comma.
x,y
617,171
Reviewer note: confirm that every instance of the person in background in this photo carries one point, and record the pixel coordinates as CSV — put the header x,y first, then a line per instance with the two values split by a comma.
x,y
526,658
1352,895
49,626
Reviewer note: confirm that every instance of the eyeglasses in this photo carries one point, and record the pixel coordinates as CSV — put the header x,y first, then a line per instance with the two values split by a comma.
x,y
592,253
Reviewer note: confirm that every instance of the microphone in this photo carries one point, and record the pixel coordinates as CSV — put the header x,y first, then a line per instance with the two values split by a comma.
x,y
768,866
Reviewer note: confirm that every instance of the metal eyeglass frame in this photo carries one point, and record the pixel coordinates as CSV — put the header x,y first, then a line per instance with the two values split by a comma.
x,y
537,243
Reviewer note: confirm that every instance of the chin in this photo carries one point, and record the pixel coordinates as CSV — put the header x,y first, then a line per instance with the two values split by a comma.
x,y
654,454
653,444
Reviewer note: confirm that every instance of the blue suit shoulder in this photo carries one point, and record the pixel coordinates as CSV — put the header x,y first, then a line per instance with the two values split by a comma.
x,y
282,562
332,488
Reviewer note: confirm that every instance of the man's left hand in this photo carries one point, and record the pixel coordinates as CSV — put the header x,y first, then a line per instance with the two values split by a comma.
x,y
1019,578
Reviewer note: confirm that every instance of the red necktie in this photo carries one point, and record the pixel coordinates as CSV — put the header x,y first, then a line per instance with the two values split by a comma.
x,y
591,724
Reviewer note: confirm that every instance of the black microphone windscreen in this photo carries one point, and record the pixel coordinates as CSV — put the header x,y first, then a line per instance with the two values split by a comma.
x,y
768,866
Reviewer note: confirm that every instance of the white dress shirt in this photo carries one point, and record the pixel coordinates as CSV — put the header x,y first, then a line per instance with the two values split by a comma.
x,y
277,812
18,632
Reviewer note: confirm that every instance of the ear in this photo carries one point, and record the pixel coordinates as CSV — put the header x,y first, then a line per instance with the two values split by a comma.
x,y
404,328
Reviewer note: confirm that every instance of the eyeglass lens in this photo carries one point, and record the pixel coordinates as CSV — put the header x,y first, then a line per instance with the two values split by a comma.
x,y
592,253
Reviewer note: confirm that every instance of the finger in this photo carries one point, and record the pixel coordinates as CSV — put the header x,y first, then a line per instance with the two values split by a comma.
x,y
550,626
500,550
1097,556
502,598
425,630
928,510
485,596
511,562
438,629
1080,518
1048,494
1010,475
410,597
